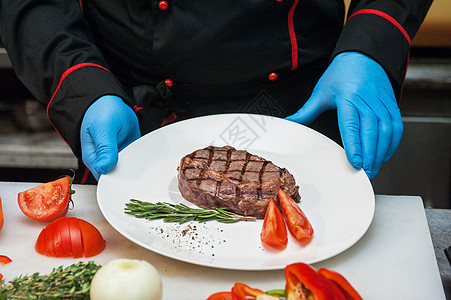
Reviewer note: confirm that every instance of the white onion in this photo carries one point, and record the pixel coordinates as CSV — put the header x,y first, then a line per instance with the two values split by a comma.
x,y
130,279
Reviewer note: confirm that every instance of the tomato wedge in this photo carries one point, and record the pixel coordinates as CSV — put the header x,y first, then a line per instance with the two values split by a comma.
x,y
274,231
297,222
48,201
67,237
1,215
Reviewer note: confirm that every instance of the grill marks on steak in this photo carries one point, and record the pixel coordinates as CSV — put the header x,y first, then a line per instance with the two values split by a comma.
x,y
216,177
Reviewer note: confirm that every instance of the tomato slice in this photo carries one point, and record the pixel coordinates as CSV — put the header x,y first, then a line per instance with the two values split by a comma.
x,y
66,243
48,201
40,245
274,231
49,245
297,222
93,242
75,237
57,240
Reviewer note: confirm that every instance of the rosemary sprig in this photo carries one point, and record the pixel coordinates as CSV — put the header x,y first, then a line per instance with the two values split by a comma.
x,y
180,213
72,282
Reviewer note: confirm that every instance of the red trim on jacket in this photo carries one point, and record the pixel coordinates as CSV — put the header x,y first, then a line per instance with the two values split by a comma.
x,y
294,43
65,74
385,16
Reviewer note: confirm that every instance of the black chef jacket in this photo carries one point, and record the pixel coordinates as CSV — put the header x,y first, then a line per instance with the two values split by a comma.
x,y
185,58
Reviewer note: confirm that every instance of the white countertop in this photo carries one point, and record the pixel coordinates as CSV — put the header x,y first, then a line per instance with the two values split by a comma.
x,y
395,259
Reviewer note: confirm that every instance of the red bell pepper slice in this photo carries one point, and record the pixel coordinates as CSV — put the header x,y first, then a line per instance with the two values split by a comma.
x,y
241,291
274,230
303,281
342,283
4,260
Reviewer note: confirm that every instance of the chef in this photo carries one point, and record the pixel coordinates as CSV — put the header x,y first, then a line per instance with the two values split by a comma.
x,y
109,71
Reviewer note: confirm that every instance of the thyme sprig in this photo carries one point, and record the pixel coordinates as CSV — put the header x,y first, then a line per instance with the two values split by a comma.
x,y
180,213
71,282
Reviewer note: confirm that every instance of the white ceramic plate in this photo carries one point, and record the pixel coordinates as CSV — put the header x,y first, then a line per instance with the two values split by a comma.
x,y
338,200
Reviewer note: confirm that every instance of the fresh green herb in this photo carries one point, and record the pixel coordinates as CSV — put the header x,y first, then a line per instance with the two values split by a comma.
x,y
72,282
180,213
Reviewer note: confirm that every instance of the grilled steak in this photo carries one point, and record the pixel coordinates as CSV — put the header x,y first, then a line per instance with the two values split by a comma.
x,y
217,177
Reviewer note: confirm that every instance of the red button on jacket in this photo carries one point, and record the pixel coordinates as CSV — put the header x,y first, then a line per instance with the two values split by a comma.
x,y
163,5
272,76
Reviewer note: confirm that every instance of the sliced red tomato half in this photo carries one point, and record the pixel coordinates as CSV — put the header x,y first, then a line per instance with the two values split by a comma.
x,y
66,237
297,222
48,201
274,231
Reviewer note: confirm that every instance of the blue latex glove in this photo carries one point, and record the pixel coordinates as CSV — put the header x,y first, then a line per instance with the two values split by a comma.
x,y
109,125
368,115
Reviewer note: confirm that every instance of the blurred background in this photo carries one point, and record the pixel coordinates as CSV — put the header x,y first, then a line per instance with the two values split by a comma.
x,y
30,150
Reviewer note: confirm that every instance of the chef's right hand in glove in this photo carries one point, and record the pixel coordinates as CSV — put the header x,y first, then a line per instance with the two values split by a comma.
x,y
109,125
368,115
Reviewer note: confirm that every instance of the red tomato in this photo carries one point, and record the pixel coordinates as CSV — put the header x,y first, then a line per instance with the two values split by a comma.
x,y
48,201
66,237
274,231
1,215
297,222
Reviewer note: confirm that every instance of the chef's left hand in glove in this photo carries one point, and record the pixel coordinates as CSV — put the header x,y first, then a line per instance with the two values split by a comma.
x,y
368,115
108,126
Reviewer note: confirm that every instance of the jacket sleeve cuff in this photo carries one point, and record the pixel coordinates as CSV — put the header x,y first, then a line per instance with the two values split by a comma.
x,y
78,88
380,37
